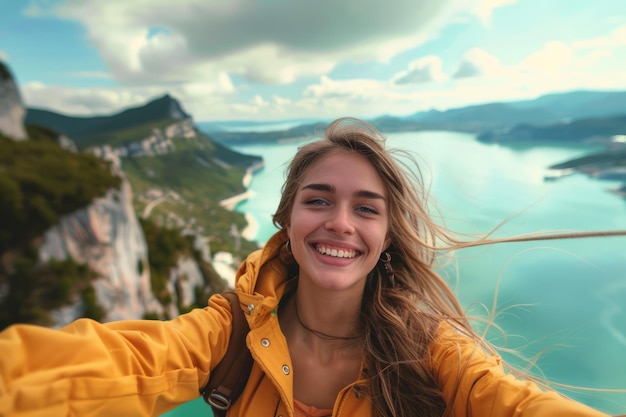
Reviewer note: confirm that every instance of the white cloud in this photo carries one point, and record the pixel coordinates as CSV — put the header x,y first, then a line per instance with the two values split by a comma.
x,y
91,74
595,63
423,70
281,105
81,101
327,98
552,57
358,97
204,53
259,101
617,38
477,62
484,9
267,64
4,56
266,42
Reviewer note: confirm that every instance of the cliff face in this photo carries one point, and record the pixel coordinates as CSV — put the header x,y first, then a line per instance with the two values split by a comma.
x,y
12,111
108,238
158,142
107,235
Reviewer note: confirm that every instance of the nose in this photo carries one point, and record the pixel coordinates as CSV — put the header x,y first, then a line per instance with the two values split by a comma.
x,y
340,221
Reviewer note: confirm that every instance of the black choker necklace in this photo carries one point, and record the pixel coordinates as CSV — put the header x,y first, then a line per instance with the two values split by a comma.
x,y
317,333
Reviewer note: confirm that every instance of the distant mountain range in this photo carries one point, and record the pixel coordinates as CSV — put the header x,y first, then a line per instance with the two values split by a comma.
x,y
492,120
548,109
601,129
571,117
93,130
564,118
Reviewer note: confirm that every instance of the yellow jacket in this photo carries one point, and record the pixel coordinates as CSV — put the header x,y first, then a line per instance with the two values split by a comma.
x,y
141,368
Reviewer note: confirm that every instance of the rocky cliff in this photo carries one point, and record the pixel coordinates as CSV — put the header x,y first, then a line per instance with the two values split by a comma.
x,y
106,235
108,238
12,110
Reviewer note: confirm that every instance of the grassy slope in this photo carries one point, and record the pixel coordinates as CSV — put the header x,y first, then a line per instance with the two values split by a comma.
x,y
201,182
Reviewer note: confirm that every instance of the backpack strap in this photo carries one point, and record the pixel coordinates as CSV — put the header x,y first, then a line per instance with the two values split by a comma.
x,y
228,379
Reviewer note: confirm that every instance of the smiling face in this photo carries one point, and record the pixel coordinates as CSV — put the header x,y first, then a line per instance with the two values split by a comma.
x,y
339,222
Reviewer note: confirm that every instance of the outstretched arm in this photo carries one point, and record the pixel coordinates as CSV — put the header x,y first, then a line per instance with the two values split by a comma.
x,y
135,367
475,384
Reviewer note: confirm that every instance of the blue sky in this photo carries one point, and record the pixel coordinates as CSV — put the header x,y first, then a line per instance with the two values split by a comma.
x,y
284,59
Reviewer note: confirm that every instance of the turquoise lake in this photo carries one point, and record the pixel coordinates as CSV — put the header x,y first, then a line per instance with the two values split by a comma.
x,y
563,299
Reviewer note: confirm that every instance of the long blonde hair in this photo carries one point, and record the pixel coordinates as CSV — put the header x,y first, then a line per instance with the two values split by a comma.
x,y
399,316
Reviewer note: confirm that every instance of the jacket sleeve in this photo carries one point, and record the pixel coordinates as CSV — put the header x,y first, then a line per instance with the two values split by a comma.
x,y
126,368
474,384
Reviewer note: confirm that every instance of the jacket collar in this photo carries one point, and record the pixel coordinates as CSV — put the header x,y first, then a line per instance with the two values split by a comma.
x,y
261,279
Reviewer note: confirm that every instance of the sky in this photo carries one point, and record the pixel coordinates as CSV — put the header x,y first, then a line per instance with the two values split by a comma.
x,y
294,59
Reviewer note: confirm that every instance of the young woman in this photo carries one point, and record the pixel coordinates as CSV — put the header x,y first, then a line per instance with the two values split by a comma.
x,y
347,318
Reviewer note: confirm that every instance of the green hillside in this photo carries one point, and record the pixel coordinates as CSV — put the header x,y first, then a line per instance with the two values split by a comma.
x,y
40,183
201,173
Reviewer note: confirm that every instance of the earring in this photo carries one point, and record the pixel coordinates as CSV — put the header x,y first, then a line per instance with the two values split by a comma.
x,y
288,247
385,258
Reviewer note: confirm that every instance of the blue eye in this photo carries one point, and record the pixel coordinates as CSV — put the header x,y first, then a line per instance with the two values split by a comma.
x,y
316,202
367,209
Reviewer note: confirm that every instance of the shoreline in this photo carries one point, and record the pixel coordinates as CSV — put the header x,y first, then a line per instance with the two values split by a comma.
x,y
247,177
231,202
252,228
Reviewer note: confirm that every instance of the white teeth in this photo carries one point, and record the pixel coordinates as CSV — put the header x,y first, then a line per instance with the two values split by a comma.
x,y
337,253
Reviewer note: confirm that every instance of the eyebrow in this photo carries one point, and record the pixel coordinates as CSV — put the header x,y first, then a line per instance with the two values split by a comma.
x,y
331,189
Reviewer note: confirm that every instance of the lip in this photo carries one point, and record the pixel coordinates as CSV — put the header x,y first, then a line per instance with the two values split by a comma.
x,y
333,244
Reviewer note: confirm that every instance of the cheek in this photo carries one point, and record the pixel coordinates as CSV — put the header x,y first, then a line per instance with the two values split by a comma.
x,y
300,223
382,238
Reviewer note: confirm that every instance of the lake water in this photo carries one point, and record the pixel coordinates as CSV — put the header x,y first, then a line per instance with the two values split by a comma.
x,y
563,299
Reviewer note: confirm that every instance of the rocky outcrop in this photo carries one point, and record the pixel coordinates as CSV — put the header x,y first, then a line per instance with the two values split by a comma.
x,y
159,141
108,237
182,284
12,110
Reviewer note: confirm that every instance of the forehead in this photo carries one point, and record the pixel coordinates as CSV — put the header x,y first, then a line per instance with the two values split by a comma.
x,y
346,168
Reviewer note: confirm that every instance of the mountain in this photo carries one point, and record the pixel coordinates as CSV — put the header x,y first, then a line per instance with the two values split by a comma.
x,y
547,109
92,131
576,131
472,118
178,174
579,104
288,133
68,230
11,108
112,217
550,109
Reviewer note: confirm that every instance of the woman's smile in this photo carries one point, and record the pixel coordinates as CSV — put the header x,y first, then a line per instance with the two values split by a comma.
x,y
335,252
